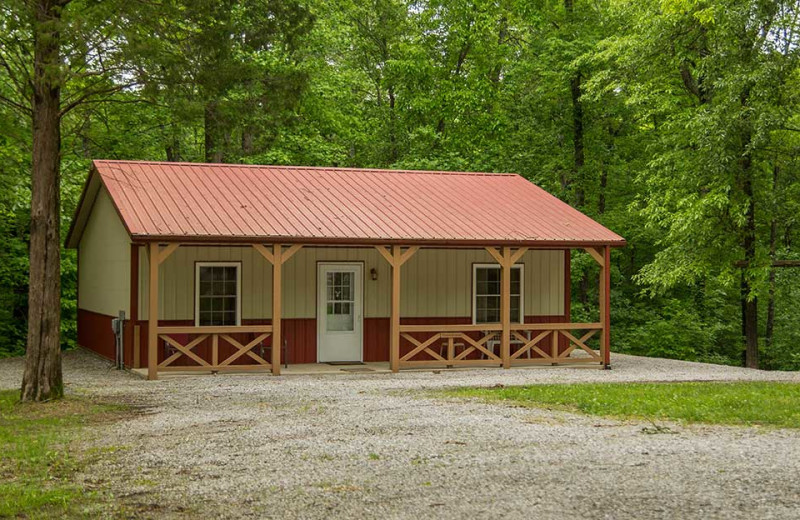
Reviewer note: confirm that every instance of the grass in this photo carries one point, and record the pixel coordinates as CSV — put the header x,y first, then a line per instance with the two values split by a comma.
x,y
742,404
36,464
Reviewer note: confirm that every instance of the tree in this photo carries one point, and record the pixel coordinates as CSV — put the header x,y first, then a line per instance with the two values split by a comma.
x,y
712,81
79,53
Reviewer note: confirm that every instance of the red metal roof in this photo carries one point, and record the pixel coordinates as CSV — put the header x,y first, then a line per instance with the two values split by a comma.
x,y
226,202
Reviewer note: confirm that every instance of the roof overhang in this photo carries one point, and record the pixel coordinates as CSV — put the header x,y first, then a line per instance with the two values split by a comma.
x,y
368,242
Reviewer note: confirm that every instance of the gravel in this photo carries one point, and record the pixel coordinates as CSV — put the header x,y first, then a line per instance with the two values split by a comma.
x,y
369,445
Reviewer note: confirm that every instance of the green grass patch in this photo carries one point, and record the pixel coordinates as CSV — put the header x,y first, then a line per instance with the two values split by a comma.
x,y
36,464
745,404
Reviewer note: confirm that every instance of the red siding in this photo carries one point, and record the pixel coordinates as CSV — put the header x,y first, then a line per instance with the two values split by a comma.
x,y
94,333
376,339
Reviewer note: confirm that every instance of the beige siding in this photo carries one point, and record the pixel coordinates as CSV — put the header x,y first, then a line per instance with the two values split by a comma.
x,y
177,274
435,282
104,261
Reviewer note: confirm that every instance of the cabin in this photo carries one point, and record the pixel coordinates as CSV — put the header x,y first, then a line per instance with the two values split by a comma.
x,y
230,267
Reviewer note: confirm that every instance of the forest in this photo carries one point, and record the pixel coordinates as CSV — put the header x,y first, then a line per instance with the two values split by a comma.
x,y
675,123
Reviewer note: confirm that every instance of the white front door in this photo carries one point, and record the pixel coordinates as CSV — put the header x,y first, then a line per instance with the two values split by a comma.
x,y
339,312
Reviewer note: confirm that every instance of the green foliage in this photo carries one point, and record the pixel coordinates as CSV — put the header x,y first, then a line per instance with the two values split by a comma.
x,y
740,404
667,121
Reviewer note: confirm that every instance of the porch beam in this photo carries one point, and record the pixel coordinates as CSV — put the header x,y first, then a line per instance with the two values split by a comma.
x,y
152,312
277,265
605,307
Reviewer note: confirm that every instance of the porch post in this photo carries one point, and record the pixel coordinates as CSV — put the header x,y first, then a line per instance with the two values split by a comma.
x,y
605,306
394,328
277,264
505,308
152,313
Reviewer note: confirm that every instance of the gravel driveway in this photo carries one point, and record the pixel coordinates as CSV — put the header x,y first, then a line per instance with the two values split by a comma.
x,y
360,445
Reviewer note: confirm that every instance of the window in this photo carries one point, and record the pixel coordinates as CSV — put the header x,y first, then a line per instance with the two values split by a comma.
x,y
340,303
217,294
486,293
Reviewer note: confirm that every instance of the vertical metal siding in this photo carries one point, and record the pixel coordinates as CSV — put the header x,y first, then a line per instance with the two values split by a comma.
x,y
435,282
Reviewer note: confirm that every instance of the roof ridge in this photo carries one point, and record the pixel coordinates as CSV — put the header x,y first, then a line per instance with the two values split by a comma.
x,y
297,167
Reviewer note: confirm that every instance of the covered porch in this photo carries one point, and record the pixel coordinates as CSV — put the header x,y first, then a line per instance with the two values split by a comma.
x,y
168,348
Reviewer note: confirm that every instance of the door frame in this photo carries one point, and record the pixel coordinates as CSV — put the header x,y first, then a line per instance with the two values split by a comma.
x,y
361,293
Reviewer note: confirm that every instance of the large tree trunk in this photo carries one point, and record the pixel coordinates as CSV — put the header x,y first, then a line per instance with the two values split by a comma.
x,y
578,157
773,240
42,378
211,126
750,303
770,326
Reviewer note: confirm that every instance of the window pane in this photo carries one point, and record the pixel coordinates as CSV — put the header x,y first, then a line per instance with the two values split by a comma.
x,y
217,295
516,275
341,322
515,308
230,288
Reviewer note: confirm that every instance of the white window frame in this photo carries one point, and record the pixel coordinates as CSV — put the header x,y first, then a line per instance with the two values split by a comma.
x,y
197,266
475,268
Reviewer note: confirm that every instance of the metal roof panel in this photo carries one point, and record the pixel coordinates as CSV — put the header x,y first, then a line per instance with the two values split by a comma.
x,y
195,201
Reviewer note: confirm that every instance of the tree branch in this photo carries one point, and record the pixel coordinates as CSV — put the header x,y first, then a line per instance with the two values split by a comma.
x,y
776,263
85,97
13,104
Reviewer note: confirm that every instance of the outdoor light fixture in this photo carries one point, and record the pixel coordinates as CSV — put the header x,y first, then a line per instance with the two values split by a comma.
x,y
373,273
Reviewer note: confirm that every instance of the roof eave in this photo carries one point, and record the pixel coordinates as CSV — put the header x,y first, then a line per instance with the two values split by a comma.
x,y
325,241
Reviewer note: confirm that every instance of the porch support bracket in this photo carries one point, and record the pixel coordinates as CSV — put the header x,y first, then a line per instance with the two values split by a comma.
x,y
277,257
396,258
506,258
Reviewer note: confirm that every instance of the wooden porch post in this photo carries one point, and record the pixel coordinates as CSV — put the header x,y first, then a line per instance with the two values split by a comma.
x,y
505,308
506,259
152,313
396,259
605,306
394,328
277,264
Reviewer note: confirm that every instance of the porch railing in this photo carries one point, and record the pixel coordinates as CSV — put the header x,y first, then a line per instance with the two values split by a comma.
x,y
450,345
185,339
480,345
553,343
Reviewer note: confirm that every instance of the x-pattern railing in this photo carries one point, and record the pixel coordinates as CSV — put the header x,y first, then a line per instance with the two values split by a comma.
x,y
241,349
470,345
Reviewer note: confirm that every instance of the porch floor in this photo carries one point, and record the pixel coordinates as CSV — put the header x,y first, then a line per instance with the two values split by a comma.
x,y
312,369
303,369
